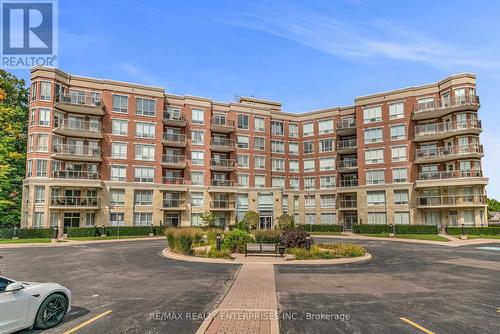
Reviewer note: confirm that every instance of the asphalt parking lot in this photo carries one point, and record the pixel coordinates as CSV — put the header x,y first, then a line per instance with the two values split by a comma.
x,y
442,289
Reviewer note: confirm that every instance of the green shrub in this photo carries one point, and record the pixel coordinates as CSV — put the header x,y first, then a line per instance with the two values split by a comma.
x,y
267,236
26,233
315,253
474,230
344,250
181,240
215,254
235,241
323,228
370,229
400,229
285,222
250,220
131,230
79,232
294,238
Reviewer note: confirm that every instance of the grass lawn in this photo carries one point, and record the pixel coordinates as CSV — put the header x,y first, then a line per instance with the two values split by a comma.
x,y
433,237
479,236
25,241
110,237
324,233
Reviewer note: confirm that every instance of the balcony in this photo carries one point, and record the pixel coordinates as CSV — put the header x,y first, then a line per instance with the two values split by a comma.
x,y
451,178
442,107
174,140
79,104
74,128
222,165
82,202
446,153
174,204
346,127
451,201
346,166
222,125
347,204
347,146
170,180
438,131
218,144
174,118
173,161
76,153
222,183
222,205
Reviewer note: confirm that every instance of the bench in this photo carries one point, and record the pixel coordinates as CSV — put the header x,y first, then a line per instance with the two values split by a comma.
x,y
261,248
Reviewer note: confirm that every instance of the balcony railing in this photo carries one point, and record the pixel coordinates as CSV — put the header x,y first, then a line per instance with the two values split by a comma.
x,y
348,183
174,138
74,201
348,204
173,180
222,142
223,163
451,200
447,151
222,204
78,125
346,124
77,150
221,121
75,175
222,183
445,127
449,174
173,159
449,102
173,115
346,144
79,99
173,203
343,164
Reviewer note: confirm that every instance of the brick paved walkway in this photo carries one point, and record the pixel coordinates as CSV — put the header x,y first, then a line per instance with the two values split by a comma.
x,y
250,305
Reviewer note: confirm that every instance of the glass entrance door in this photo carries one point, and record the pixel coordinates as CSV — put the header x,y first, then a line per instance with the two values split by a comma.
x,y
350,219
266,222
71,219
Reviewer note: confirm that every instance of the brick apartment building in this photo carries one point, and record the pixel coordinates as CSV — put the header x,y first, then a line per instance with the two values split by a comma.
x,y
103,152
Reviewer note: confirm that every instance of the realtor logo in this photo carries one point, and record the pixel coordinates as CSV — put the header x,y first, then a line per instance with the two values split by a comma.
x,y
29,33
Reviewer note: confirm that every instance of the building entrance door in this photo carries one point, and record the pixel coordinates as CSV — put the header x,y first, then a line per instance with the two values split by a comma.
x,y
350,219
266,222
71,219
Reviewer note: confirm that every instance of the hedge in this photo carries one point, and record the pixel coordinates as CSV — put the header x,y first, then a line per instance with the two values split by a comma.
x,y
322,228
474,230
76,232
26,233
400,229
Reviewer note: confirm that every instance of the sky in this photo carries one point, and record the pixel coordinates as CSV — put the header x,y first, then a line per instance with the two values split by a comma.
x,y
306,54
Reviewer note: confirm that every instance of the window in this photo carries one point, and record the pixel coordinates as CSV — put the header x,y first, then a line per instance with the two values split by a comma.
x,y
398,153
469,217
398,132
293,148
328,218
308,147
29,168
31,142
243,180
144,130
310,218
259,143
45,90
294,183
120,103
119,127
308,129
374,156
293,165
196,219
243,160
326,145
285,203
243,142
296,204
197,138
197,178
119,150
373,135
39,194
42,142
372,114
293,130
243,121
309,183
144,174
375,176
278,182
117,219
399,175
259,162
327,201
33,91
197,158
277,146
32,117
143,218
309,165
401,217
259,124
374,198
278,165
145,107
325,126
377,218
260,181
197,200
143,197
54,219
277,128
400,197
327,182
90,218
310,202
117,197
197,116
41,168
44,117
326,163
396,110
38,220
118,173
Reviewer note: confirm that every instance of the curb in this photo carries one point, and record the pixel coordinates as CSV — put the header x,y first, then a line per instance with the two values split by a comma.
x,y
75,242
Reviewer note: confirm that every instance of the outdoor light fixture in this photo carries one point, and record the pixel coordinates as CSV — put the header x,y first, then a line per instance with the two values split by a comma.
x,y
281,250
218,242
308,242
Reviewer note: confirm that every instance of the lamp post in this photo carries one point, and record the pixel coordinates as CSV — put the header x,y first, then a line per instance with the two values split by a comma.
x,y
463,234
15,233
308,243
392,231
218,242
103,232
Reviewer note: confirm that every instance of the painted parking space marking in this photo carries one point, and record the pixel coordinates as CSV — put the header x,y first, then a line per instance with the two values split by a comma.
x,y
423,329
91,320
493,248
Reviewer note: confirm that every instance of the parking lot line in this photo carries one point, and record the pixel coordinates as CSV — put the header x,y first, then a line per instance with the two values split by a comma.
x,y
425,330
74,329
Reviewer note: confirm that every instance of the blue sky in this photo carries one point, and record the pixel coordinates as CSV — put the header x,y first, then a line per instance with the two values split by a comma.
x,y
306,54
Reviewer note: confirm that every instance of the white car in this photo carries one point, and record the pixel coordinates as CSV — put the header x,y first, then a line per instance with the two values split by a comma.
x,y
29,304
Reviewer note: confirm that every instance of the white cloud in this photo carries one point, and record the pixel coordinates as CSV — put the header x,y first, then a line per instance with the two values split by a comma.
x,y
139,73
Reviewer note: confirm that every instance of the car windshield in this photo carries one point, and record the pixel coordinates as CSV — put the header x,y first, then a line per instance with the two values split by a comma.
x,y
3,283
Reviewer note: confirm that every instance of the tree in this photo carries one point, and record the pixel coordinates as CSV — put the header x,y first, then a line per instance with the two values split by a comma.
x,y
251,220
208,218
285,222
493,206
13,137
